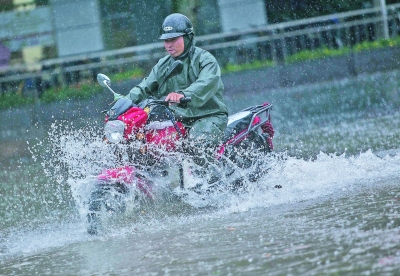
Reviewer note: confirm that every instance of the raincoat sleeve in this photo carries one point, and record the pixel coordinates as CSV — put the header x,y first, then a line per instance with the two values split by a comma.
x,y
148,87
208,82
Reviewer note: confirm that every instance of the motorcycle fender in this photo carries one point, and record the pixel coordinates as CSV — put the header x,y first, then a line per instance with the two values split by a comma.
x,y
124,175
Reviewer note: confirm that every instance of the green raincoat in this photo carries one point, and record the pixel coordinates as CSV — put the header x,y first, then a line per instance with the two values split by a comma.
x,y
206,114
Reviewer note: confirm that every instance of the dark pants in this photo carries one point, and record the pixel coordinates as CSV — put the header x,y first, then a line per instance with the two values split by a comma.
x,y
209,130
204,136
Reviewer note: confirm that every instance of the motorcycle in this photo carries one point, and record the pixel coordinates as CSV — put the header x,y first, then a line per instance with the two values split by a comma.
x,y
149,143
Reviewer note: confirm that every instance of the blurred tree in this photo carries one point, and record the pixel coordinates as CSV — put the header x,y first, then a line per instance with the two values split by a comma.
x,y
203,14
7,5
189,8
41,2
132,22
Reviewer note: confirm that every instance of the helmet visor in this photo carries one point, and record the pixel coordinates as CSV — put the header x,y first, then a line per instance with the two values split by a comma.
x,y
170,35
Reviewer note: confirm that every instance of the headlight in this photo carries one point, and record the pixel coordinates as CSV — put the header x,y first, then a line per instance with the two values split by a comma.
x,y
114,131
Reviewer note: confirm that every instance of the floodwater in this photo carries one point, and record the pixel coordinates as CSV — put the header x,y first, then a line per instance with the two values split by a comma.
x,y
337,213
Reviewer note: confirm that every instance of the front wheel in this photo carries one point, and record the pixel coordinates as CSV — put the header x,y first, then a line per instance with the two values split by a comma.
x,y
105,200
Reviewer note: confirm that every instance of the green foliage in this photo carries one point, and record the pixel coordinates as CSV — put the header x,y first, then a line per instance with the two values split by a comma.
x,y
315,54
230,67
130,74
326,52
40,3
6,5
82,91
79,91
382,43
14,99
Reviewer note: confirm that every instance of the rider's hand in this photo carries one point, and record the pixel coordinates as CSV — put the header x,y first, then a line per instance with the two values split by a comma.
x,y
174,97
118,96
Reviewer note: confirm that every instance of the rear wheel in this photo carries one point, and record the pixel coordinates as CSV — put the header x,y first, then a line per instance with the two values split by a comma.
x,y
249,155
248,151
105,200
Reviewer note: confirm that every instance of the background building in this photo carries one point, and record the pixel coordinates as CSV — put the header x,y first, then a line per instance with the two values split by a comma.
x,y
42,29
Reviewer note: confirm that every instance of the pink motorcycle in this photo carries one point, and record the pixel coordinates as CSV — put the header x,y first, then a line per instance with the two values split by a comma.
x,y
148,135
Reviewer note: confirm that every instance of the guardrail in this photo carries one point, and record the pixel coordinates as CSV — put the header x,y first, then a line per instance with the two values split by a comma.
x,y
271,42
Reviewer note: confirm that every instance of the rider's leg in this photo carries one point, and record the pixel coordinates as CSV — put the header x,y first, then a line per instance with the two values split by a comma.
x,y
210,129
204,136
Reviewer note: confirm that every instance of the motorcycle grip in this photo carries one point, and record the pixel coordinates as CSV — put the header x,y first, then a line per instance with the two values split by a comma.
x,y
185,100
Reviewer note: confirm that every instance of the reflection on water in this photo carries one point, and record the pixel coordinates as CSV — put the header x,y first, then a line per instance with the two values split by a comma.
x,y
338,210
350,233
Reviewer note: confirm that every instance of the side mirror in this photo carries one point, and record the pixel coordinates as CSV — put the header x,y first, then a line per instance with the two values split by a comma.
x,y
103,80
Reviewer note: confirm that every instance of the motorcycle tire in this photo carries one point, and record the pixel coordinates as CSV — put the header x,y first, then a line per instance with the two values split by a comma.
x,y
105,199
247,151
248,154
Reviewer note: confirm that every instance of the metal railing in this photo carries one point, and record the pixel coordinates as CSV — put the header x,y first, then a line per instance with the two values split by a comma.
x,y
271,42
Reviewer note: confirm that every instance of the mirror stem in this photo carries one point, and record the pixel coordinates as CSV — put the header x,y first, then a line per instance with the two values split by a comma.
x,y
109,88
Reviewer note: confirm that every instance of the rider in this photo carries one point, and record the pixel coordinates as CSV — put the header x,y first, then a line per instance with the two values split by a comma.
x,y
206,116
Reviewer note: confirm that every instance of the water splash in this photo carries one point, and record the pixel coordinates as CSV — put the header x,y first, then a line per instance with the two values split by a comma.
x,y
74,155
84,155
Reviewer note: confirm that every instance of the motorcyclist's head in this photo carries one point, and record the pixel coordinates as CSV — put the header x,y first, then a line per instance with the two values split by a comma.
x,y
177,25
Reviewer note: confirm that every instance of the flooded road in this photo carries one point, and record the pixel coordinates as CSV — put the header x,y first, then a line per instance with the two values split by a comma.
x,y
337,211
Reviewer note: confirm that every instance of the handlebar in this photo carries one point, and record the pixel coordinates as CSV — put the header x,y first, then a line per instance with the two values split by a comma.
x,y
185,100
166,103
168,111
